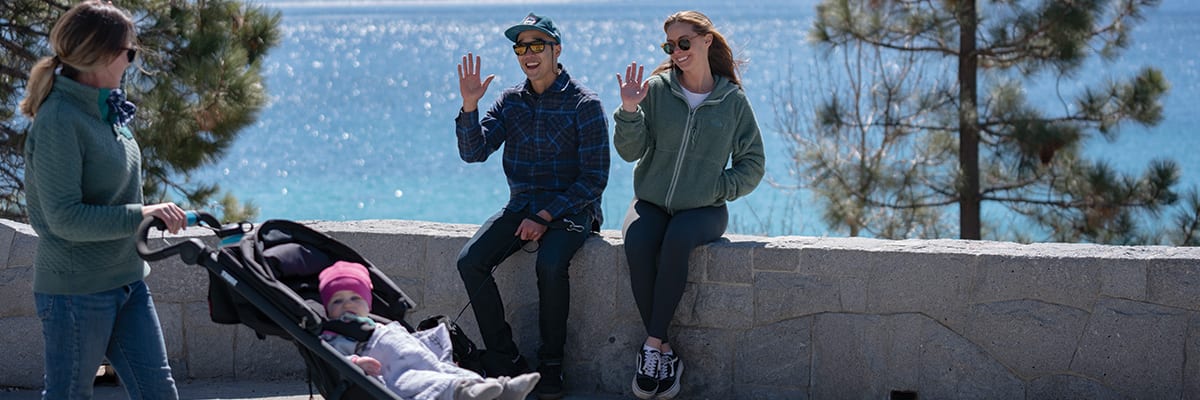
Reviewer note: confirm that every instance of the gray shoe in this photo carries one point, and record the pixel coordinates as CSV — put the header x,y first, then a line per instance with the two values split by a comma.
x,y
518,387
468,389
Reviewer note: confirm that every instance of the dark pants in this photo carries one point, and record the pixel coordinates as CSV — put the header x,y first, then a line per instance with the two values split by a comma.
x,y
493,243
657,246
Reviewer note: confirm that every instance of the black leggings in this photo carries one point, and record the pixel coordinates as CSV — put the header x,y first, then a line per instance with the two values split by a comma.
x,y
657,246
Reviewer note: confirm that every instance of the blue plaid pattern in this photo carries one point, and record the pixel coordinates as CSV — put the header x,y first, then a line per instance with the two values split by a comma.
x,y
556,152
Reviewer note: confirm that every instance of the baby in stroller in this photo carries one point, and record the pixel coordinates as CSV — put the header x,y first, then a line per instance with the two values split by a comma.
x,y
411,367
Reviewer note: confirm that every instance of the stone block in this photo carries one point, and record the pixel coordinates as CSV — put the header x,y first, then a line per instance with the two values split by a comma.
x,y
1070,387
780,296
170,318
594,278
173,281
902,352
415,289
730,262
626,311
16,292
937,285
716,306
835,262
1191,370
524,321
397,254
1135,347
773,258
209,346
775,357
863,356
602,361
1174,283
698,261
1122,278
443,287
24,362
1053,280
24,248
6,244
1032,338
707,353
753,392
269,358
952,367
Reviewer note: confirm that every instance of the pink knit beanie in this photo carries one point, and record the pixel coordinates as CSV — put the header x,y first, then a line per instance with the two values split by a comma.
x,y
345,275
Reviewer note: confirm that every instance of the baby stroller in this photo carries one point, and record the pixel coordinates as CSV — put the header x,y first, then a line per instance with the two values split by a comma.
x,y
266,278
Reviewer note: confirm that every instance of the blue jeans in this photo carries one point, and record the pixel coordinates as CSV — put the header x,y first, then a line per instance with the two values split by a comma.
x,y
121,324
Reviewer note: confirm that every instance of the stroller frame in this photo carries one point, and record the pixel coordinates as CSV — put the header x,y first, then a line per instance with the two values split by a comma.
x,y
226,270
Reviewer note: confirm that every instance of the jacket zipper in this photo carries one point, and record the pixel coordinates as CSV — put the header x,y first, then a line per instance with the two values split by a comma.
x,y
688,132
687,137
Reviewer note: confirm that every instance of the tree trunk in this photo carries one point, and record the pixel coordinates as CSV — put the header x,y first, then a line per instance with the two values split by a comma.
x,y
968,129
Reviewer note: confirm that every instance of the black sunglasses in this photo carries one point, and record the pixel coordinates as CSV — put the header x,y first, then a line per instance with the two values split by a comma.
x,y
130,53
537,47
685,44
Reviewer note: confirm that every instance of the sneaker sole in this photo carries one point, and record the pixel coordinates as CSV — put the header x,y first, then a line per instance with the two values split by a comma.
x,y
672,391
644,395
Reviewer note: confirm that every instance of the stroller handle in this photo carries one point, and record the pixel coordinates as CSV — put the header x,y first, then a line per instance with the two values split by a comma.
x,y
190,249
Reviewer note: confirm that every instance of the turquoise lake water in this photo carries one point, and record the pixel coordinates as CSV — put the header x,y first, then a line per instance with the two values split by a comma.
x,y
364,96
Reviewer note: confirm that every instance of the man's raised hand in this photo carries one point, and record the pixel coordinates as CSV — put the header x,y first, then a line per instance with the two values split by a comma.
x,y
469,85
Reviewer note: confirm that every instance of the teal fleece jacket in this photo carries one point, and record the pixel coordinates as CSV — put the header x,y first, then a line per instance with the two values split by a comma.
x,y
83,181
690,158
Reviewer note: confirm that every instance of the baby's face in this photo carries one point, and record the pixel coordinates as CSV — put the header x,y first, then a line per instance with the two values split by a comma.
x,y
346,301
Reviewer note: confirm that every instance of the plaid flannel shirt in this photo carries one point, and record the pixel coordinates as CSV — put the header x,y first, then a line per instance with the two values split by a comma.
x,y
556,153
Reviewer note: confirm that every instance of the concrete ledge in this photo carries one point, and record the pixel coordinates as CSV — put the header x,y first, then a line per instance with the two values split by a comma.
x,y
785,317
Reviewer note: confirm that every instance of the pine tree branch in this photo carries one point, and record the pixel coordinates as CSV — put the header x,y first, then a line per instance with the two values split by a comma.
x,y
1072,203
17,50
942,50
16,74
1012,52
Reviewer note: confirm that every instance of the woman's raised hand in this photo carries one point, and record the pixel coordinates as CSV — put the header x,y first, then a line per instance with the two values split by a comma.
x,y
633,88
469,85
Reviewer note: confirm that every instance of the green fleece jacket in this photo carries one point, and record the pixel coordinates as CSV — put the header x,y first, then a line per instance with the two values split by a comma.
x,y
83,181
689,158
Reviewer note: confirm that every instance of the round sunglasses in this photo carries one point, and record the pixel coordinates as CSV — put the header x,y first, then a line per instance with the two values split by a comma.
x,y
130,53
537,47
685,44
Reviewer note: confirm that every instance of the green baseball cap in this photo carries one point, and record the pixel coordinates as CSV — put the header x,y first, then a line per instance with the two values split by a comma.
x,y
533,22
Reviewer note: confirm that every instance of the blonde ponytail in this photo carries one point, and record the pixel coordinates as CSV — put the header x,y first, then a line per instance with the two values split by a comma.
x,y
41,79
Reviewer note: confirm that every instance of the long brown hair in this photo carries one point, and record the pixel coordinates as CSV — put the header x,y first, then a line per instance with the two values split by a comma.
x,y
86,37
720,55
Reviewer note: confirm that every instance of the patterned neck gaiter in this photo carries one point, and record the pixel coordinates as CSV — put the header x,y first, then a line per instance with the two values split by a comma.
x,y
122,109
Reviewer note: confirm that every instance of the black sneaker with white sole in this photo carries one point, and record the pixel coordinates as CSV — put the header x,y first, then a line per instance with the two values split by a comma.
x,y
670,368
645,382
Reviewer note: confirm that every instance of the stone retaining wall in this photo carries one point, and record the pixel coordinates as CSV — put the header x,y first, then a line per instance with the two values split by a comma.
x,y
769,318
